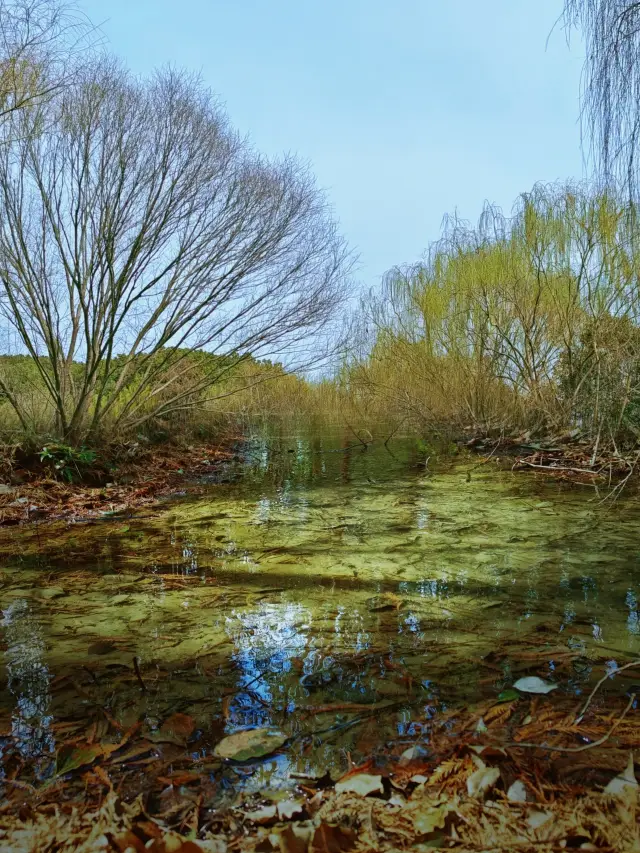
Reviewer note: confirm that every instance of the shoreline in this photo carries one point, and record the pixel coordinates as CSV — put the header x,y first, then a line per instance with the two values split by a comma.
x,y
158,472
568,458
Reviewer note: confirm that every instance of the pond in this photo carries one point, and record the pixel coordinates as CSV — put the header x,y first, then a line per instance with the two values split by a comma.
x,y
343,595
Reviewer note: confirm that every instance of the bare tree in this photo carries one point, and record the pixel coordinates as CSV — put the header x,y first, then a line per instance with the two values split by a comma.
x,y
40,43
611,87
140,226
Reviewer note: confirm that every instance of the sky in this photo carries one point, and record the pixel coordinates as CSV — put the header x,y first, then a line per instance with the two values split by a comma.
x,y
405,109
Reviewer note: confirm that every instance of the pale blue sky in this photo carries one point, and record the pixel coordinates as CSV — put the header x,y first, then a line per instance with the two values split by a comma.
x,y
406,109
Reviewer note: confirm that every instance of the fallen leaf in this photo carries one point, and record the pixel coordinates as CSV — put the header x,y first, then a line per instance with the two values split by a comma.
x,y
508,695
413,753
533,684
296,837
517,792
332,839
133,752
288,808
363,784
253,743
623,783
482,748
175,729
536,818
79,757
431,818
482,779
263,815
129,841
213,845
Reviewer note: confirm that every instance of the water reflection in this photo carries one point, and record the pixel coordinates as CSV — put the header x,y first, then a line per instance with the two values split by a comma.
x,y
28,680
265,642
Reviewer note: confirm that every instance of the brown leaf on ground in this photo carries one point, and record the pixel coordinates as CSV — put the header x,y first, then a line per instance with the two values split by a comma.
x,y
360,783
175,729
332,839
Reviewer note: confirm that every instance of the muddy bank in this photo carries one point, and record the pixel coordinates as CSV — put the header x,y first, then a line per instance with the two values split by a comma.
x,y
124,479
568,457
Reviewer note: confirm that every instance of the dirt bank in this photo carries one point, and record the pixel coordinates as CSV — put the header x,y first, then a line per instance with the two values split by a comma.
x,y
125,478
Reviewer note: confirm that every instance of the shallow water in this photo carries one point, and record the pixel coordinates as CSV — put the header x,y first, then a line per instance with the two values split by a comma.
x,y
342,595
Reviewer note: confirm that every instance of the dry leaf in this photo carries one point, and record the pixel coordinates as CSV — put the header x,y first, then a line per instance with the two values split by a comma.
x,y
431,818
332,839
176,729
481,781
363,784
413,753
296,837
263,815
253,743
517,792
288,808
79,757
533,684
536,818
623,783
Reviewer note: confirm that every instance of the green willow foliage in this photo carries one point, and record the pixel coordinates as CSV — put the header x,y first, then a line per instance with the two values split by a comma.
x,y
522,322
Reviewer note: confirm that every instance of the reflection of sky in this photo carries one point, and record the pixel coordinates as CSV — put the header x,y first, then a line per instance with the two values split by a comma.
x,y
266,639
633,619
294,505
350,629
28,678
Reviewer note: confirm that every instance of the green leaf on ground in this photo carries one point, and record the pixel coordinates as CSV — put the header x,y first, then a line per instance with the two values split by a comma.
x,y
508,695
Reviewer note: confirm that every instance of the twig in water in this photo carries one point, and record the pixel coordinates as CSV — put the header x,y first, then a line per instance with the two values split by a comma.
x,y
600,683
390,436
615,492
556,468
136,666
94,677
483,462
595,743
365,443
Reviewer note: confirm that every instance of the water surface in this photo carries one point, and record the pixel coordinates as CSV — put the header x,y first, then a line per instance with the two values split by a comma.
x,y
341,594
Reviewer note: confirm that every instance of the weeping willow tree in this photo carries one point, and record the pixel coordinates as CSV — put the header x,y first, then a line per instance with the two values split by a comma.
x,y
522,321
611,91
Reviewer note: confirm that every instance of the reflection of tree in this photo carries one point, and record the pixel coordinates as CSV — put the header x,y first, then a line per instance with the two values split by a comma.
x,y
266,640
345,464
28,678
633,619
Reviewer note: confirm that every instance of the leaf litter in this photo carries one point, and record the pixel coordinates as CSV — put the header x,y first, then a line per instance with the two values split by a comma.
x,y
479,790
